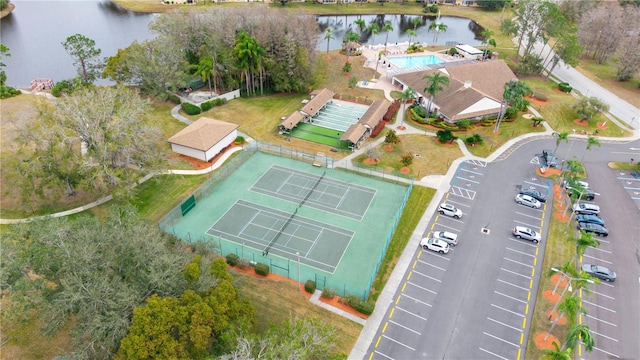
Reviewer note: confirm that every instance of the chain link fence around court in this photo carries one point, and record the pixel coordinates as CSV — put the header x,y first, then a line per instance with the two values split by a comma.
x,y
279,266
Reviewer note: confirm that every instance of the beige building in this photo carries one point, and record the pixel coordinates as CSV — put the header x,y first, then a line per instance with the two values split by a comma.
x,y
204,139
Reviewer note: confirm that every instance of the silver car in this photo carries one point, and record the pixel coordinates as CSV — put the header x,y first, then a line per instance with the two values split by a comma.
x,y
526,233
527,200
449,210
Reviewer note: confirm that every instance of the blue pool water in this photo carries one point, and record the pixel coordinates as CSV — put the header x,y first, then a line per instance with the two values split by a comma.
x,y
410,61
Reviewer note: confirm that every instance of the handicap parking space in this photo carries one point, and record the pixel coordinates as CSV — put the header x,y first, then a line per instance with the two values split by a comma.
x,y
631,183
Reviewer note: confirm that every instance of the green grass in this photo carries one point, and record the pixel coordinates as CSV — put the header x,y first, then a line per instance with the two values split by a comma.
x,y
417,203
162,193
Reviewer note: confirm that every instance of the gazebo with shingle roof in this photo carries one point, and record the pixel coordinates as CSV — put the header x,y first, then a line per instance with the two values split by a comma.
x,y
204,138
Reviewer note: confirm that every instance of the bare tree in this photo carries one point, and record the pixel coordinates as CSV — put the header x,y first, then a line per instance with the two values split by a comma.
x,y
601,31
629,61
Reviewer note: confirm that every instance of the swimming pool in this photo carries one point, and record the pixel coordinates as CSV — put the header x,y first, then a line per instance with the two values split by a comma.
x,y
409,61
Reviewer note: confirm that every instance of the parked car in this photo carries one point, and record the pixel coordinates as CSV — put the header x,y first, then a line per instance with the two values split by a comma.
x,y
528,201
600,272
434,244
448,237
586,209
587,194
449,210
522,232
548,158
534,194
593,228
580,183
593,219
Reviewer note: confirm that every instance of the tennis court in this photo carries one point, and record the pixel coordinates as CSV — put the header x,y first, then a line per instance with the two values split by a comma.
x,y
329,226
328,125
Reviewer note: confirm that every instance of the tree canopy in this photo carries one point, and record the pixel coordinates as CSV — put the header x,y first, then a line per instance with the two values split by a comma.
x,y
85,55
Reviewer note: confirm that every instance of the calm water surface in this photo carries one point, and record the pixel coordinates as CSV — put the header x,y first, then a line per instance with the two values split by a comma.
x,y
35,31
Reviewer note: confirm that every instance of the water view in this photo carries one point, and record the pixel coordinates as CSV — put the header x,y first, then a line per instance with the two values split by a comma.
x,y
410,61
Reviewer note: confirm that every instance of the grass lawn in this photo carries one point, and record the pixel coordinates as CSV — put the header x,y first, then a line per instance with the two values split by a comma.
x,y
434,158
605,75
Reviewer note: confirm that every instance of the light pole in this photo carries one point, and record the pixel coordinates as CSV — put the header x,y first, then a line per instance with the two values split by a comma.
x,y
298,255
555,307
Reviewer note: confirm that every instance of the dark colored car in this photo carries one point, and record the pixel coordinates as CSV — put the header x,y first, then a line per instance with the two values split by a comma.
x,y
594,219
587,194
548,158
593,228
534,194
600,272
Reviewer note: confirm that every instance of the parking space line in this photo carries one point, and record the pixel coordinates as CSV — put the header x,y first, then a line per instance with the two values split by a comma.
x,y
503,340
410,313
510,297
598,306
427,276
600,320
445,226
530,216
602,250
434,266
404,327
470,194
496,355
518,262
458,203
514,285
417,300
379,353
507,310
422,288
476,162
605,284
431,253
506,325
601,294
535,227
520,252
604,241
515,273
536,184
595,258
398,342
631,188
602,335
523,242
606,352
473,172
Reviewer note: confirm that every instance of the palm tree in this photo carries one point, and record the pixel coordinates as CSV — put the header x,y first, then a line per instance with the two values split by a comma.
x,y
328,35
514,93
407,94
388,28
560,137
557,354
411,34
434,86
441,27
567,269
249,55
582,242
206,71
577,333
416,21
362,25
375,30
486,41
569,308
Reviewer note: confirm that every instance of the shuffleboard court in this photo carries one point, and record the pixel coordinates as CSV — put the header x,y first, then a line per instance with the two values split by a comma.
x,y
319,245
339,197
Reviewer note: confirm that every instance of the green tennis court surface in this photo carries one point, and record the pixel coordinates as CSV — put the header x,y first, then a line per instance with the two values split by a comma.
x,y
319,134
278,211
320,245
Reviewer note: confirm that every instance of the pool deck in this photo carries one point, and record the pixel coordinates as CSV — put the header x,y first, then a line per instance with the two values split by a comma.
x,y
383,80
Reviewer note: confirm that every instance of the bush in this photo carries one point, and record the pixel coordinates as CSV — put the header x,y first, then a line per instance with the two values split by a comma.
x,y
464,124
565,87
541,97
346,68
190,109
328,293
207,105
511,113
239,140
174,99
232,259
363,307
262,269
220,101
407,159
63,87
8,91
310,286
453,51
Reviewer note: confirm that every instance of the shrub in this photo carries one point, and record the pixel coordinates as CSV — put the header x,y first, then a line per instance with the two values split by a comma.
x,y
464,124
541,97
407,159
8,91
363,307
190,109
220,101
353,82
346,68
232,259
328,293
565,87
511,112
445,136
207,105
453,51
474,139
262,269
174,99
239,140
310,286
63,87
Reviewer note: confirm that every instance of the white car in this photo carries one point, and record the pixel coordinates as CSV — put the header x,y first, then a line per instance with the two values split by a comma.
x,y
526,233
448,237
434,244
449,210
586,209
528,201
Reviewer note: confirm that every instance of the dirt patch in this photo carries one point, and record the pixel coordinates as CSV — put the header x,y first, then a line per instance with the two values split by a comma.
x,y
401,127
551,296
580,122
561,217
336,303
370,161
556,277
543,344
405,170
326,57
536,101
445,143
553,316
561,92
199,164
548,172
388,147
602,125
